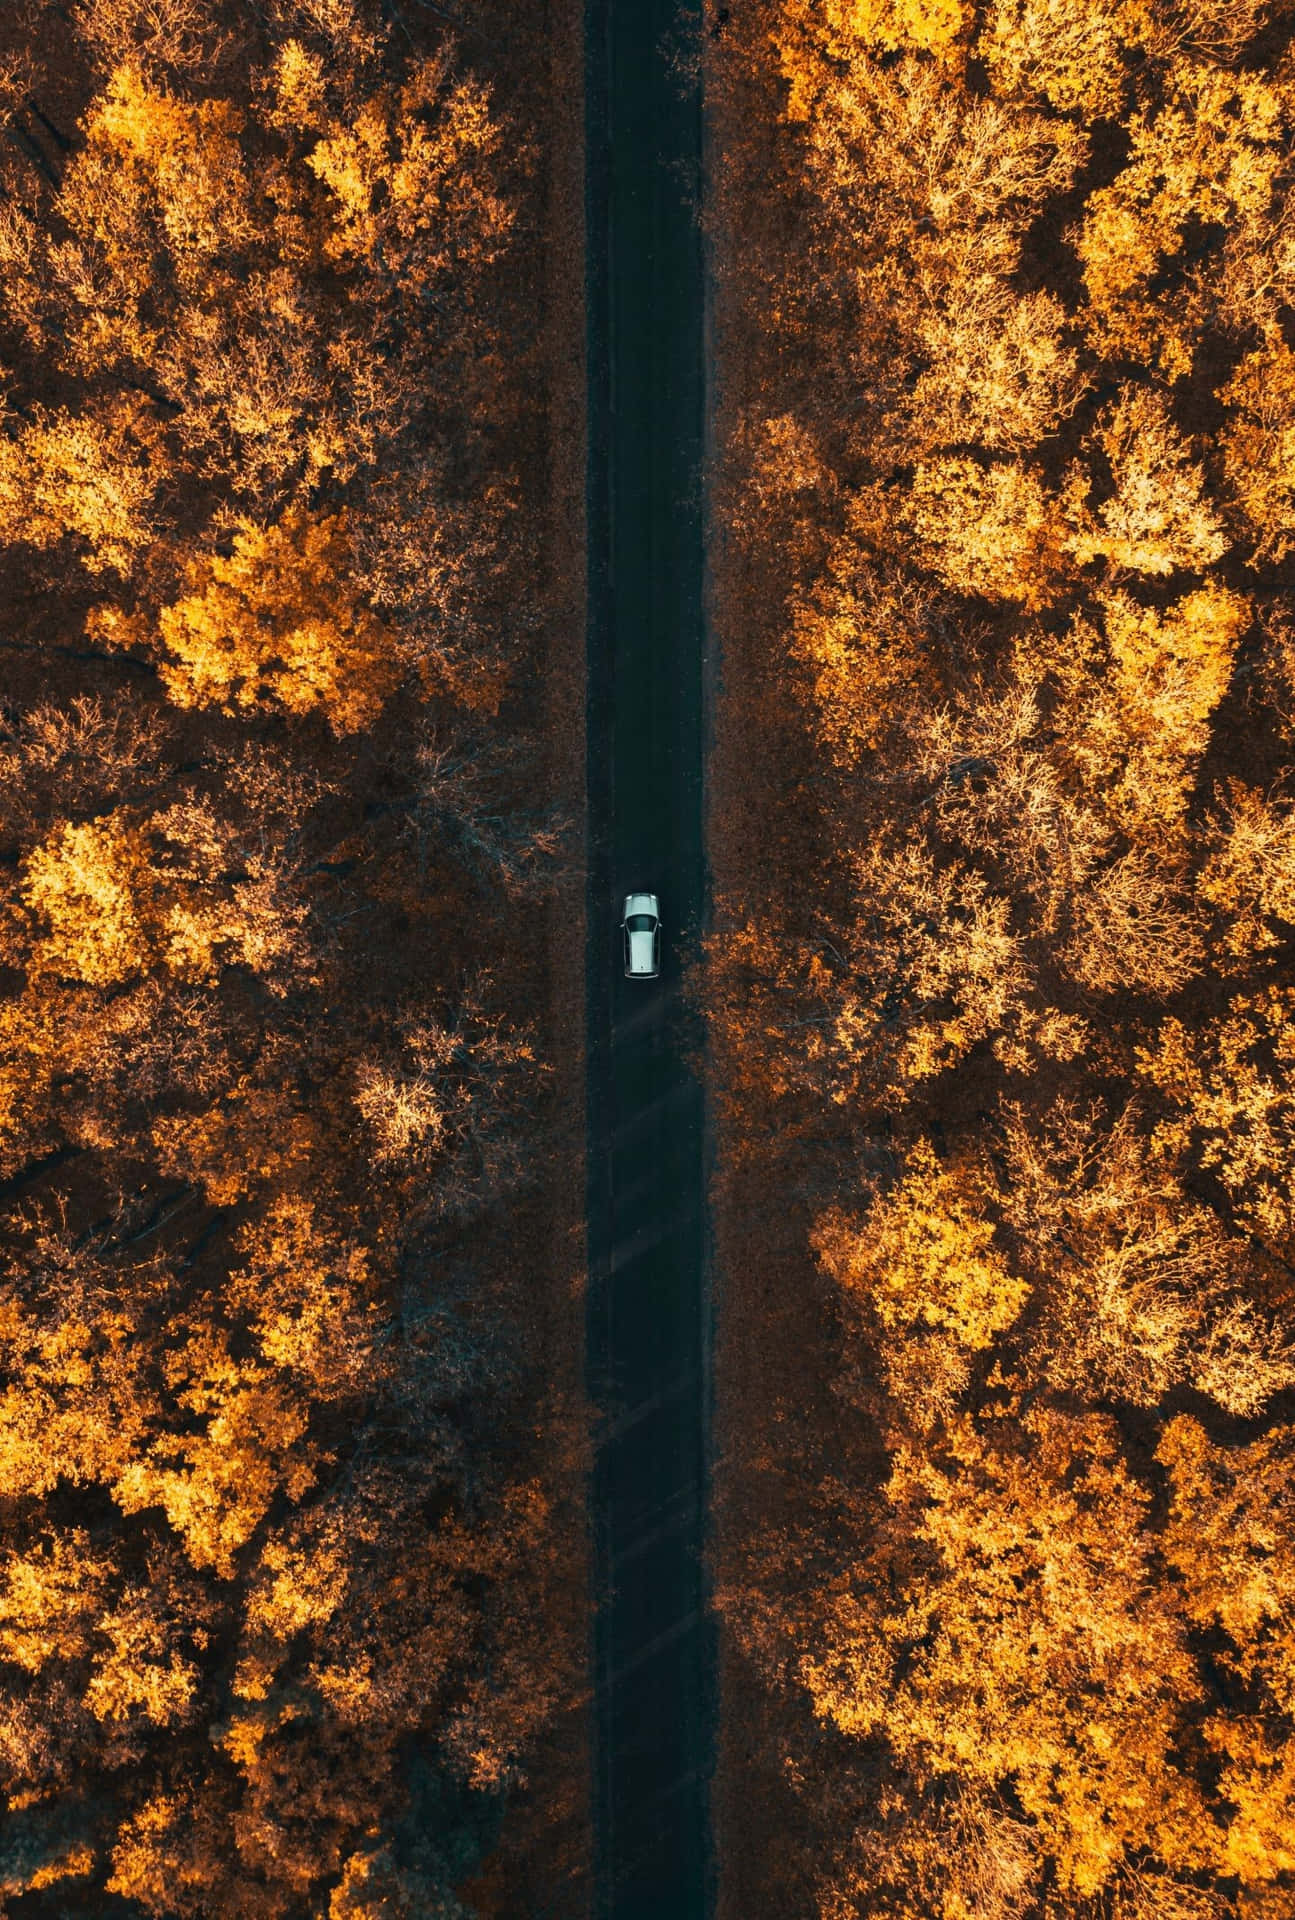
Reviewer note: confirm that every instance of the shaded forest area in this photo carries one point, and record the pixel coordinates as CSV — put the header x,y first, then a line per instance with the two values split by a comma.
x,y
291,1546
1000,987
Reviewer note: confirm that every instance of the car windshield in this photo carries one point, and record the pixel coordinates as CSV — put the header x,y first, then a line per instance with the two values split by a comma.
x,y
640,923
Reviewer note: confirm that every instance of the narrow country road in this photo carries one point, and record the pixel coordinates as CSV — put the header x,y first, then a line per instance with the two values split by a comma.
x,y
648,1298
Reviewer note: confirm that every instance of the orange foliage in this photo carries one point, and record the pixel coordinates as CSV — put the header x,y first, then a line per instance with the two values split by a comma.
x,y
1001,1021
277,623
284,1537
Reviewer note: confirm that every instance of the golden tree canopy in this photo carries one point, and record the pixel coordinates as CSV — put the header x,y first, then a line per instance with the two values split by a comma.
x,y
279,624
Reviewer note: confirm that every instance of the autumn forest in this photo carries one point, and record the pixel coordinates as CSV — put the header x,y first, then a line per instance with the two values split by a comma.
x,y
1002,1002
289,1587
997,993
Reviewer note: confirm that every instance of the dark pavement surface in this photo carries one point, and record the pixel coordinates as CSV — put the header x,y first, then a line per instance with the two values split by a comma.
x,y
648,1299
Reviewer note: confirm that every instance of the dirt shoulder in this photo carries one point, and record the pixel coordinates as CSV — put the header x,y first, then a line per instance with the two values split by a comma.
x,y
543,1861
771,1345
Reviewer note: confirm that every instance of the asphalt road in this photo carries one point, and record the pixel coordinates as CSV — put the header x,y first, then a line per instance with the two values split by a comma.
x,y
648,1324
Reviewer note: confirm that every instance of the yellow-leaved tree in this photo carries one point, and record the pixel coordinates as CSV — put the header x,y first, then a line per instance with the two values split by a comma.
x,y
810,37
920,1274
1259,446
1225,1083
1072,53
990,530
412,178
860,634
1007,1625
1208,151
114,899
87,477
1249,876
279,624
1158,518
95,887
1231,1542
1144,724
217,1483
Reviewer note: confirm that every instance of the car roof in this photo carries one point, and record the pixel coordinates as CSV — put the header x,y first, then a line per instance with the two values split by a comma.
x,y
640,903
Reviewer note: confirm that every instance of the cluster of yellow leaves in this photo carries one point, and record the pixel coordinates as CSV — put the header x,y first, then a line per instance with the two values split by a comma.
x,y
1250,873
217,1485
89,477
1227,1085
1134,1280
941,945
1027,527
1157,520
998,373
306,1295
141,1673
63,1605
26,1073
1071,53
1009,1624
1231,1543
808,39
936,1856
154,175
184,155
253,1138
48,1601
278,624
995,531
197,242
75,1408
987,530
406,1113
120,897
163,1857
923,1267
860,636
89,885
408,190
1169,671
1028,1639
1132,930
1210,152
1259,446
296,1588
907,169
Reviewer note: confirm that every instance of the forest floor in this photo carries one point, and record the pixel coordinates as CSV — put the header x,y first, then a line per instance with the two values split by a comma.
x,y
773,1354
543,1865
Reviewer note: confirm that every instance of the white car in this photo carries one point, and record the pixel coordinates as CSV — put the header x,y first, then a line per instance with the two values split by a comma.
x,y
641,927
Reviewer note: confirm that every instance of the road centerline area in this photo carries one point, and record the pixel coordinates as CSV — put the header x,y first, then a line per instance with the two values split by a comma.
x,y
648,1300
